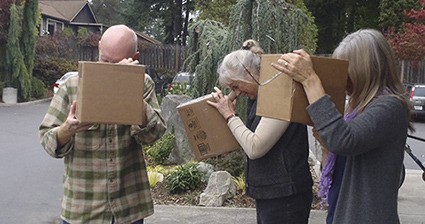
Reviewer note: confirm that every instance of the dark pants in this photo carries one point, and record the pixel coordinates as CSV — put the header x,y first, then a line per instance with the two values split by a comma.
x,y
113,221
294,209
335,187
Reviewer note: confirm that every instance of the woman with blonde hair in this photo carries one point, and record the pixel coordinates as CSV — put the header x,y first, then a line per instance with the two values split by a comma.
x,y
277,172
367,143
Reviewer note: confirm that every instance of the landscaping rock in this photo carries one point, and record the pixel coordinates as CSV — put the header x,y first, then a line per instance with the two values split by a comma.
x,y
182,153
220,188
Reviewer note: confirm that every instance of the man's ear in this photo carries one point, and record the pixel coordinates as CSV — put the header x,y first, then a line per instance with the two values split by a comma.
x,y
136,56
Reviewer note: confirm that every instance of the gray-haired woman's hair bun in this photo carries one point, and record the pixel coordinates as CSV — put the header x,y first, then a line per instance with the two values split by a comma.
x,y
252,46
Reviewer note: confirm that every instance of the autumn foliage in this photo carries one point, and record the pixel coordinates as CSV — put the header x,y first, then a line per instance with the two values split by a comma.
x,y
409,42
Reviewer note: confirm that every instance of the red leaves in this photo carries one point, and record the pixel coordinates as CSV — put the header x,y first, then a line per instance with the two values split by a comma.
x,y
408,43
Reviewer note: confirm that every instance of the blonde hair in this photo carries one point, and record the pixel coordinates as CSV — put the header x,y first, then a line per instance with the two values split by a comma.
x,y
372,69
372,66
232,66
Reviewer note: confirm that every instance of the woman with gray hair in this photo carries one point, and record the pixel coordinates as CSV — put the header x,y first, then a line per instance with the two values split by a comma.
x,y
277,172
361,177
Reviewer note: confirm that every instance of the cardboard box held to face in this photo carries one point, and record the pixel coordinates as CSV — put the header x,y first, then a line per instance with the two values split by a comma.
x,y
285,99
206,129
110,93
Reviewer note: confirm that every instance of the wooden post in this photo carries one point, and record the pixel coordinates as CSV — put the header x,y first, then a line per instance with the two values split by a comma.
x,y
176,52
402,71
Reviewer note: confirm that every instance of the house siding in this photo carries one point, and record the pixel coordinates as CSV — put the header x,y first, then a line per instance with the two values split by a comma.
x,y
85,16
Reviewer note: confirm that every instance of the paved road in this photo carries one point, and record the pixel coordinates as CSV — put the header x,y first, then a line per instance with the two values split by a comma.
x,y
418,147
31,180
31,187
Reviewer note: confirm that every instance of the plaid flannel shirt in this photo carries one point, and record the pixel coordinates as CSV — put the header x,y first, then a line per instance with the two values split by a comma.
x,y
105,171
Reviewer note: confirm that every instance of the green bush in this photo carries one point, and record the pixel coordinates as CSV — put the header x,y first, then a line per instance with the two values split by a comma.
x,y
38,89
233,162
49,69
55,55
178,89
154,178
240,183
186,177
161,149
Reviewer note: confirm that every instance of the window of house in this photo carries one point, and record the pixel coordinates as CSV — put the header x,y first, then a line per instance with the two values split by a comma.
x,y
52,26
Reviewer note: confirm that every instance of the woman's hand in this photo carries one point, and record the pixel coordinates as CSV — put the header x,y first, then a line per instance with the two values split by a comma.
x,y
222,103
299,67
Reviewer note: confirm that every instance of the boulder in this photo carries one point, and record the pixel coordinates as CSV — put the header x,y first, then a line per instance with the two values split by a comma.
x,y
182,151
220,188
206,168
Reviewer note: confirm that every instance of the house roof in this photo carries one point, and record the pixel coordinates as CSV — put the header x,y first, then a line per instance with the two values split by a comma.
x,y
63,10
148,38
67,10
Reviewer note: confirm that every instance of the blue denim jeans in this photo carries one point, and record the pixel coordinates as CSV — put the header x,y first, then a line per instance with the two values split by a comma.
x,y
113,221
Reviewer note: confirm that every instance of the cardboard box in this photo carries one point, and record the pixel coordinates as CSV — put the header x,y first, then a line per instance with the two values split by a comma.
x,y
110,93
285,99
206,129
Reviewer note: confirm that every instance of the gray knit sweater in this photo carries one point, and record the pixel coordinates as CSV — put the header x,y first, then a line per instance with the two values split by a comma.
x,y
373,143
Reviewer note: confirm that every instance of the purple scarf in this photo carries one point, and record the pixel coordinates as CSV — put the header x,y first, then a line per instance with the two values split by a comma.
x,y
327,172
326,178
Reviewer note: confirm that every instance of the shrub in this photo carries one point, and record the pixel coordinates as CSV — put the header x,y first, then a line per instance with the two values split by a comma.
x,y
161,169
38,89
240,183
60,45
186,177
154,178
233,162
178,88
48,70
161,149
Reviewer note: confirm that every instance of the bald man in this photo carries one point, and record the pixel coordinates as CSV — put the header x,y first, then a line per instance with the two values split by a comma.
x,y
105,178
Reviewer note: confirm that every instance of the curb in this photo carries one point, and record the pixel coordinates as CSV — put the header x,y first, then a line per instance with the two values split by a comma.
x,y
26,103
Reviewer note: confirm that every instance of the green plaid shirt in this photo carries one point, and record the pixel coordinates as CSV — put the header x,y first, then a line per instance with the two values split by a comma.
x,y
105,171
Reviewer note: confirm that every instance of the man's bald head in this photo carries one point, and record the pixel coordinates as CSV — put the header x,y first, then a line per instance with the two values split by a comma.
x,y
117,42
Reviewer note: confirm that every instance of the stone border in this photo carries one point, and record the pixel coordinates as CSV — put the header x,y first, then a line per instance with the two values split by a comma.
x,y
26,103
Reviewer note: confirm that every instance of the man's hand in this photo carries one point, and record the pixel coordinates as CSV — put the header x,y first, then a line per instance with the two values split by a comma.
x,y
128,61
70,126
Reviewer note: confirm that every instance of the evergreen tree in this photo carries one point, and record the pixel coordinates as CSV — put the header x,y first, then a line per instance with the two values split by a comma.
x,y
218,10
392,13
16,74
165,20
20,48
30,22
4,21
108,12
205,49
336,18
278,26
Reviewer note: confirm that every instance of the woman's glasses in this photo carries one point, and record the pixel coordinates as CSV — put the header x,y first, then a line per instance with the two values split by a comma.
x,y
255,80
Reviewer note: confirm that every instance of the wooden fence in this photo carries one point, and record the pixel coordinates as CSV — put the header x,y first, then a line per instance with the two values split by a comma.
x,y
88,54
170,57
412,71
